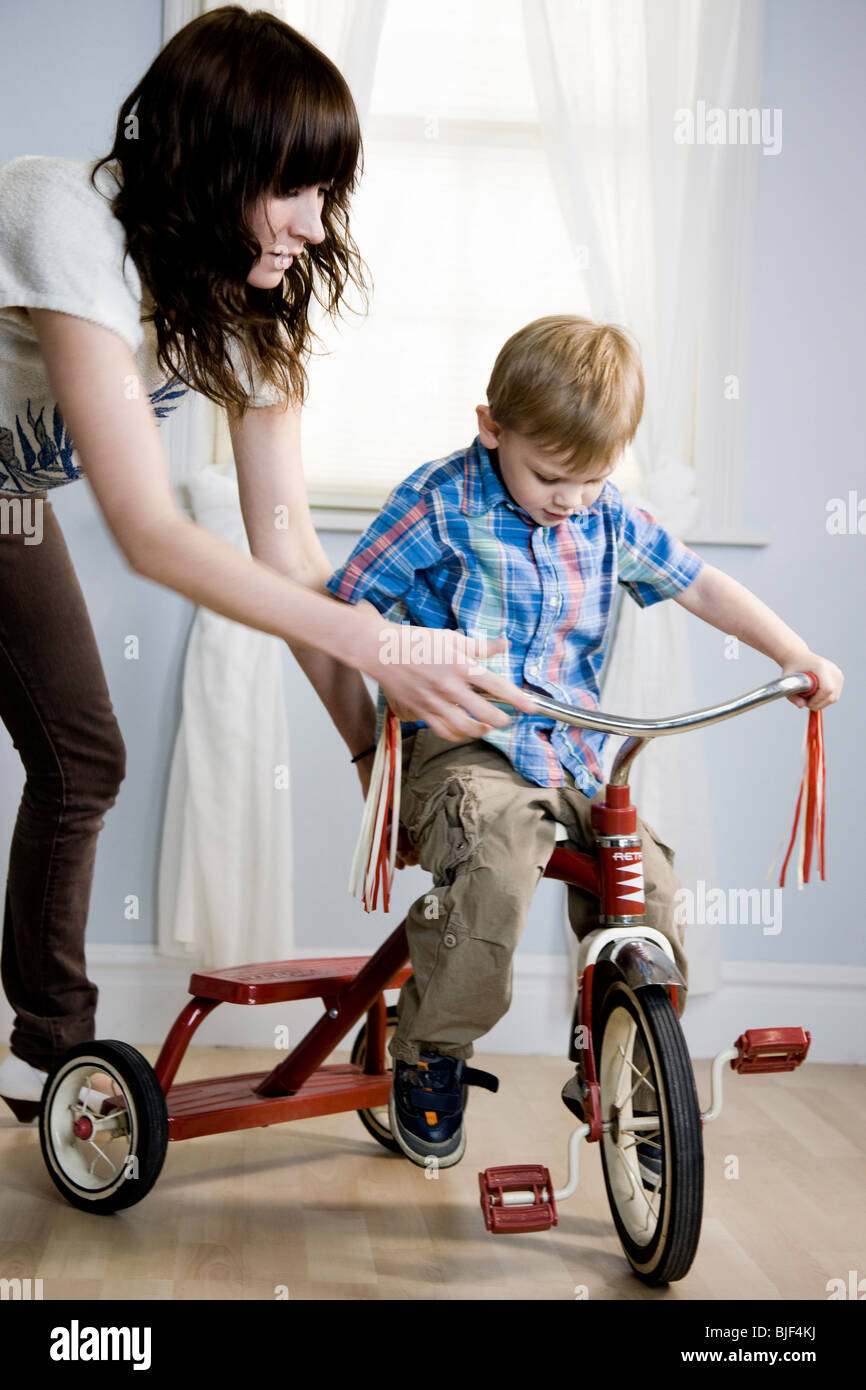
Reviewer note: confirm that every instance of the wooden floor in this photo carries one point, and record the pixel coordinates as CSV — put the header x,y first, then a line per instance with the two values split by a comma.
x,y
319,1208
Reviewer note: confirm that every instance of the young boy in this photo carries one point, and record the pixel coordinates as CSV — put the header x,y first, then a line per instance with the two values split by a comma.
x,y
523,534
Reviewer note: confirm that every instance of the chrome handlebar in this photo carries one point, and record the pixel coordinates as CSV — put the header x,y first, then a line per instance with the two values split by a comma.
x,y
802,681
638,731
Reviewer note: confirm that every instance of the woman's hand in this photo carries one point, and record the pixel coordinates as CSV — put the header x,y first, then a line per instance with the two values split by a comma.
x,y
444,681
830,679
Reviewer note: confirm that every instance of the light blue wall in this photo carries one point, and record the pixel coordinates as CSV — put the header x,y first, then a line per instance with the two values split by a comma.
x,y
803,447
66,69
67,66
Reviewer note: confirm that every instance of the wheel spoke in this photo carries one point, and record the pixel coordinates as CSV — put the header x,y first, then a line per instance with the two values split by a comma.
x,y
642,1076
637,1187
100,1153
656,1190
618,1150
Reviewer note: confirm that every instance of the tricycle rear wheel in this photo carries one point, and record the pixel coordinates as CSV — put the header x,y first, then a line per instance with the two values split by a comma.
x,y
103,1162
375,1119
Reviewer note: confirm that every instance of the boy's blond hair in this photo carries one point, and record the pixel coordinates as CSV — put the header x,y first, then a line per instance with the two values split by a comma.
x,y
575,388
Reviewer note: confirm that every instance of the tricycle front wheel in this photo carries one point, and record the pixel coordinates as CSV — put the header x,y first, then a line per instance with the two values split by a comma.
x,y
652,1158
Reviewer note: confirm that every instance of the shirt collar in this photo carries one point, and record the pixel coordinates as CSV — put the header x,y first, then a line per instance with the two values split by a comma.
x,y
483,489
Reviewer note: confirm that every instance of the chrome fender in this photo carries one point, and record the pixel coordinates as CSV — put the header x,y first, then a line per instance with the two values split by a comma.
x,y
642,963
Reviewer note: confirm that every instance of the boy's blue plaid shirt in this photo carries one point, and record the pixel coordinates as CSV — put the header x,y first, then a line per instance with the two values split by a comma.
x,y
451,549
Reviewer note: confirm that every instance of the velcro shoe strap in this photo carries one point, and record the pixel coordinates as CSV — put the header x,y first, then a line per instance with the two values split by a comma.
x,y
473,1077
443,1103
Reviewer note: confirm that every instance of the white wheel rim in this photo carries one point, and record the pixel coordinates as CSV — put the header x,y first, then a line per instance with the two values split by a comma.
x,y
639,1208
95,1167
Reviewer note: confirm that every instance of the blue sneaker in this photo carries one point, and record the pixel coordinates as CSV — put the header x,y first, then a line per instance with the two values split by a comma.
x,y
426,1106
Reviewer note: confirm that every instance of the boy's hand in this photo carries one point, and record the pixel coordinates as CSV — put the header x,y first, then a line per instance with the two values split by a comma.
x,y
407,854
830,679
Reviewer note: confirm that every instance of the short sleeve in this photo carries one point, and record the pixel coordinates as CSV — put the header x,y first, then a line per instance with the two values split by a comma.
x,y
386,562
248,372
652,564
62,248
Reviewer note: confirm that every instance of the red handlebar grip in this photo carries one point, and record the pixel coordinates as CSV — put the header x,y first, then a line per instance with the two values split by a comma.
x,y
815,683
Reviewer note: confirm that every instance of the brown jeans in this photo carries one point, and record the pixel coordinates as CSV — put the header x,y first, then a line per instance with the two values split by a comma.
x,y
485,833
55,703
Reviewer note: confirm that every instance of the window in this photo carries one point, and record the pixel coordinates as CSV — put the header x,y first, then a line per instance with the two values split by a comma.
x,y
461,224
458,221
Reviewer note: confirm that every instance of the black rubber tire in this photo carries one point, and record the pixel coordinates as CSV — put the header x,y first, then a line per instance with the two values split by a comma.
x,y
380,1133
668,1255
147,1116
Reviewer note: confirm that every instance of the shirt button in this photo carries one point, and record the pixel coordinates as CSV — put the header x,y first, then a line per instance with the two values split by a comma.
x,y
533,670
449,939
554,600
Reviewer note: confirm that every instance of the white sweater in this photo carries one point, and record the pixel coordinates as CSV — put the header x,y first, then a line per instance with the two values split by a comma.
x,y
61,247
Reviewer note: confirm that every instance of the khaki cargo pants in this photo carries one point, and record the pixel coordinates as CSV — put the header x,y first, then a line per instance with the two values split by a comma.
x,y
485,833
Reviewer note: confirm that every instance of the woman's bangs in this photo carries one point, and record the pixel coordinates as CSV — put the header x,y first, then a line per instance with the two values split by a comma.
x,y
320,139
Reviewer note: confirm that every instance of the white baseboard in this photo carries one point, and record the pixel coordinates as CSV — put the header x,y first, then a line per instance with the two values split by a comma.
x,y
141,993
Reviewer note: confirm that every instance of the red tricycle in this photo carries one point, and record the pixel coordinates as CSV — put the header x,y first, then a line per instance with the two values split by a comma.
x,y
106,1154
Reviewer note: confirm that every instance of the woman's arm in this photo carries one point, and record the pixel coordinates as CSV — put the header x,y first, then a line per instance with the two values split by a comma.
x,y
732,608
267,448
106,409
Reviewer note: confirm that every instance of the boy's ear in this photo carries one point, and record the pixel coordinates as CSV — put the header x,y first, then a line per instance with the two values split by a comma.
x,y
488,429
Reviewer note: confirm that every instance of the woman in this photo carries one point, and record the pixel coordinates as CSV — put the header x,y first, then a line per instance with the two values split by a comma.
x,y
187,257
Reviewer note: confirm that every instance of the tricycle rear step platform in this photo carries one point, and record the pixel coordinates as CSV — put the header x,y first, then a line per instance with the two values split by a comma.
x,y
224,1103
273,982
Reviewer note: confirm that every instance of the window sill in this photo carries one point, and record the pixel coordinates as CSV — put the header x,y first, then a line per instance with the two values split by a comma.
x,y
736,537
337,517
350,516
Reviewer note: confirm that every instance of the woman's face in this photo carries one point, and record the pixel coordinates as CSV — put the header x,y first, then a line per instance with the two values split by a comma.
x,y
283,227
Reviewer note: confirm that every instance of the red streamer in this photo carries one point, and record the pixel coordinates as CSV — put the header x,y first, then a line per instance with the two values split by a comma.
x,y
383,850
813,787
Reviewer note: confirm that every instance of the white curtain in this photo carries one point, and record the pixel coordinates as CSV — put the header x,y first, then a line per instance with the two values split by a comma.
x,y
665,230
225,876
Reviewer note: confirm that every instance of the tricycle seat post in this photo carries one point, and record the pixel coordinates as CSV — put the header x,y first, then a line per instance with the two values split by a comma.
x,y
616,815
620,856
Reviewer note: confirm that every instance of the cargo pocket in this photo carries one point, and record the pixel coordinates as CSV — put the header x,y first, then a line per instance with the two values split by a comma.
x,y
443,824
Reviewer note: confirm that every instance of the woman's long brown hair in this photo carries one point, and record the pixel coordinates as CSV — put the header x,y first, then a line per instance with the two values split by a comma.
x,y
236,106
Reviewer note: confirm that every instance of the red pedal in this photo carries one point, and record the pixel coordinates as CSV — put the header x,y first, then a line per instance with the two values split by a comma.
x,y
536,1215
771,1049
